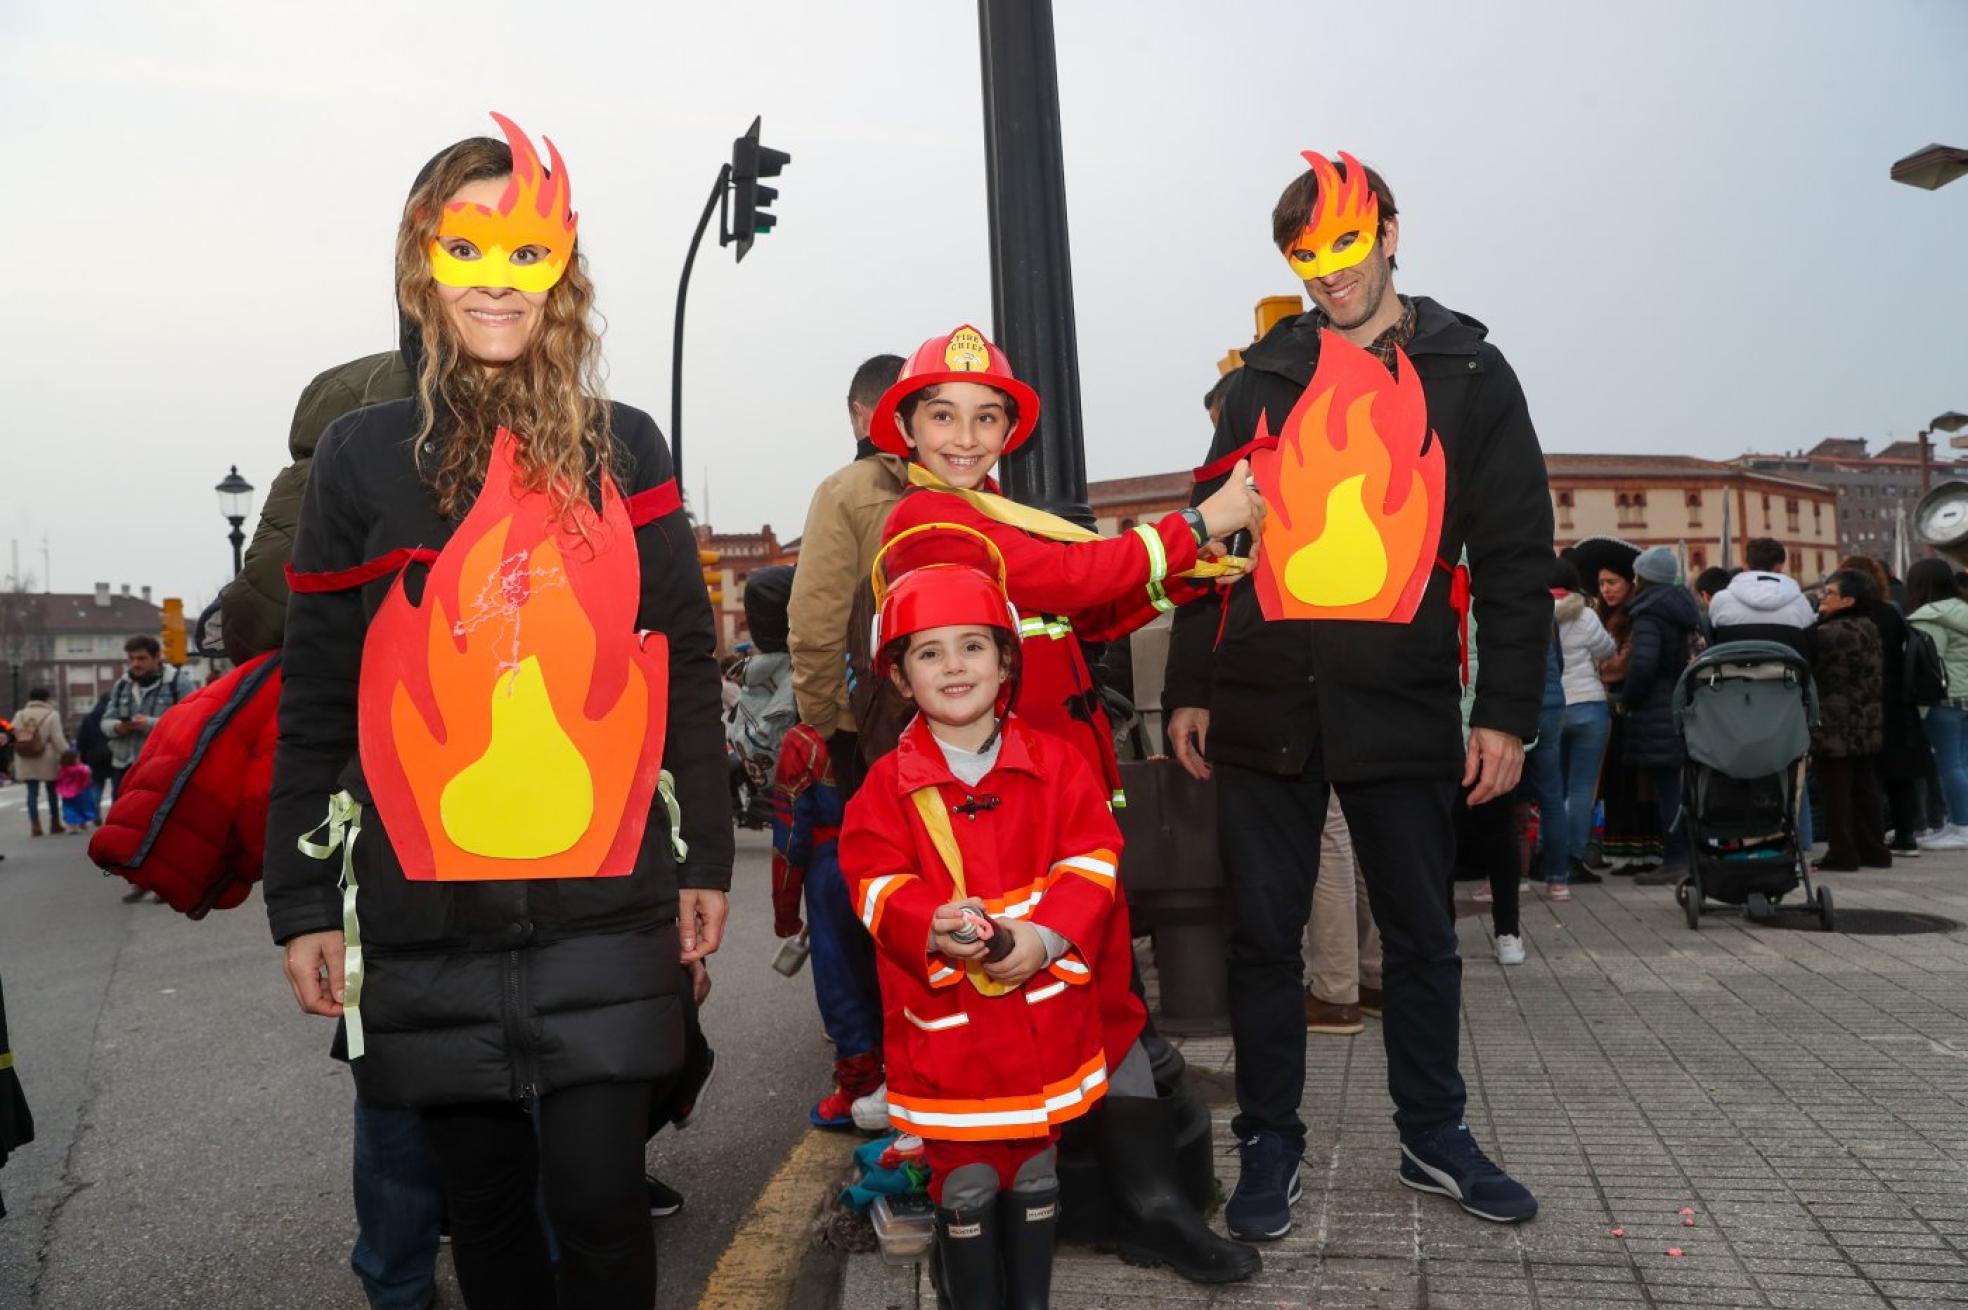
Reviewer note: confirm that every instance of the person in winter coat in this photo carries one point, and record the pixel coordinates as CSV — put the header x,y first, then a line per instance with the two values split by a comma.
x,y
837,548
1544,762
955,409
1761,603
1585,644
1667,633
1935,606
764,709
498,637
1283,713
1851,729
1633,836
39,740
979,830
1905,759
147,689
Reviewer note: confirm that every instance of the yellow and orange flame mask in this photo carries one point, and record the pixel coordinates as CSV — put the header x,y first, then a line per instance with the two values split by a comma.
x,y
1345,223
526,241
1356,486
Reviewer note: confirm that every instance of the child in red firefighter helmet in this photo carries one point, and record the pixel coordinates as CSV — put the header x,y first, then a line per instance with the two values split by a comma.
x,y
974,828
955,411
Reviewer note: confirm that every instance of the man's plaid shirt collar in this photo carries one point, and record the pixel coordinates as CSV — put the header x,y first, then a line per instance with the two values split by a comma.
x,y
1399,333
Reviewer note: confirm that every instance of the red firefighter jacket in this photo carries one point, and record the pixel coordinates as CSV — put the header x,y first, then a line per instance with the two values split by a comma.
x,y
1037,842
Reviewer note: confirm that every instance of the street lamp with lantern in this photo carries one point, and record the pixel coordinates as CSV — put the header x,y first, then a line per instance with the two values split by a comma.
x,y
1931,167
1951,421
235,503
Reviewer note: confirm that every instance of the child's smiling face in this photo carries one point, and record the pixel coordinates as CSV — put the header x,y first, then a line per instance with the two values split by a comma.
x,y
953,673
958,432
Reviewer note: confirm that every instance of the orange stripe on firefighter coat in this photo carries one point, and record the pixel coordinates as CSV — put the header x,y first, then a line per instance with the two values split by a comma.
x,y
961,1065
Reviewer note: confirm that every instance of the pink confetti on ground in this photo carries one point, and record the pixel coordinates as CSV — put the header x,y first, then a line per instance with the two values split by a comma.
x,y
1687,1209
1619,1232
1674,1250
1689,1222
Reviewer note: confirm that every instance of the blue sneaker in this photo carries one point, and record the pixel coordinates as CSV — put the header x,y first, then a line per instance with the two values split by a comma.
x,y
1448,1162
1260,1208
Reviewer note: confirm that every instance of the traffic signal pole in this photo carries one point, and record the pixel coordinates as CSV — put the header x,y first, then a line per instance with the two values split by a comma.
x,y
1031,264
676,338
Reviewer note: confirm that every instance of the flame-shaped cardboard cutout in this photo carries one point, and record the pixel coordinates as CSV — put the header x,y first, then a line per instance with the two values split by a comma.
x,y
1346,207
512,724
526,242
1355,488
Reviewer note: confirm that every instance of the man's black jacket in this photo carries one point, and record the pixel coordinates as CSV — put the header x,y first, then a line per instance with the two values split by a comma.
x,y
1382,700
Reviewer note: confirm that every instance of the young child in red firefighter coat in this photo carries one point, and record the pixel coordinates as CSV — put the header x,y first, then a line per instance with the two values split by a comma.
x,y
978,827
954,412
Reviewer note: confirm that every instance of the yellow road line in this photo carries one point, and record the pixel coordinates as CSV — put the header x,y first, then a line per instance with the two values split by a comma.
x,y
756,1271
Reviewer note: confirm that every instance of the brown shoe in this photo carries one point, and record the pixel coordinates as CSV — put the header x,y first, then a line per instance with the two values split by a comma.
x,y
35,825
1333,1020
1371,1001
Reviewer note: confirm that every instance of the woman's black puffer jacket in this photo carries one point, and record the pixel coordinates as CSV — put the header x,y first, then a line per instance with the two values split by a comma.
x,y
487,991
1666,621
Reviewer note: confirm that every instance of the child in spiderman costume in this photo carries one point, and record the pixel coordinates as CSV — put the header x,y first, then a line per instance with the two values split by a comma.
x,y
981,855
954,412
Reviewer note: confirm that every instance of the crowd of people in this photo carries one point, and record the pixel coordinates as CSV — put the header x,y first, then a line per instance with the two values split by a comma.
x,y
516,958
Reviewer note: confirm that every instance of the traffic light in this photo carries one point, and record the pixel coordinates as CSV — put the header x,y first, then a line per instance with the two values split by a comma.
x,y
750,163
173,636
713,576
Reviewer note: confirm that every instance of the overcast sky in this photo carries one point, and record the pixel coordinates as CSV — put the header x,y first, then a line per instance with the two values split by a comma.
x,y
1674,217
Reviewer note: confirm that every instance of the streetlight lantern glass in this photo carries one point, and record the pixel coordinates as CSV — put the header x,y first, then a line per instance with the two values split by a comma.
x,y
1952,421
235,496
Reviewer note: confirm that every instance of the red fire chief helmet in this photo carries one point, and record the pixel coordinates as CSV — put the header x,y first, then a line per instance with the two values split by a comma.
x,y
938,575
962,355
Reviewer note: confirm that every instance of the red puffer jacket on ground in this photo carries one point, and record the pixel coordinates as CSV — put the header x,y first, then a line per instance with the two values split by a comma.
x,y
1038,842
189,822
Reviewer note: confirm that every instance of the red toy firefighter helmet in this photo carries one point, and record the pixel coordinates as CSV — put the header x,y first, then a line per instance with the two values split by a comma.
x,y
964,355
938,575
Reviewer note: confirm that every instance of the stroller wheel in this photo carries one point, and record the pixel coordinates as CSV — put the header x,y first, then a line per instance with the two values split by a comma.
x,y
1691,901
1825,912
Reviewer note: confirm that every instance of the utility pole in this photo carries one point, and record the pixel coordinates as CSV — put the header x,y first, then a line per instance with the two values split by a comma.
x,y
1031,266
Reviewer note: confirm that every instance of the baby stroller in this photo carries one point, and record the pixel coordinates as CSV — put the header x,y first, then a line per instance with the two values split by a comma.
x,y
1744,710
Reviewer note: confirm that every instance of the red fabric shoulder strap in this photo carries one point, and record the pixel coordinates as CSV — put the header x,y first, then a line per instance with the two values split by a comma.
x,y
367,571
1216,468
645,507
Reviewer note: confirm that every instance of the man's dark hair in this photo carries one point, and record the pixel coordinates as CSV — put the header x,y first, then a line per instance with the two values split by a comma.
x,y
39,693
1854,584
1564,576
1218,389
875,376
1294,208
1930,580
1764,554
143,641
1711,580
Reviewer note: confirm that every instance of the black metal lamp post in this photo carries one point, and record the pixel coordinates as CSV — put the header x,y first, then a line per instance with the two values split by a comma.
x,y
1931,167
1031,267
1948,422
235,503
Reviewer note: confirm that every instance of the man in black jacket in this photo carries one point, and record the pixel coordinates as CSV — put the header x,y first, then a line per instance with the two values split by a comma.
x,y
1282,712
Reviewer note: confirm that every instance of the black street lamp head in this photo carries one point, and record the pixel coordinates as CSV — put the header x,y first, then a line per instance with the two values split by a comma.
x,y
235,496
1952,421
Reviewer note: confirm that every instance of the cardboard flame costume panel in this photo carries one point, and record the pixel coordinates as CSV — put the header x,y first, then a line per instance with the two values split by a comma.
x,y
512,724
526,242
1355,486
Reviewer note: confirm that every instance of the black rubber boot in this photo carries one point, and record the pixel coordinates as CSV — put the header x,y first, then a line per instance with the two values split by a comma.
x,y
1026,1221
1154,1223
967,1273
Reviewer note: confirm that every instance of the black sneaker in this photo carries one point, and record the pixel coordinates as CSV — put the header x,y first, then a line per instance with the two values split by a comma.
x,y
1661,875
1260,1209
1448,1162
664,1200
1580,876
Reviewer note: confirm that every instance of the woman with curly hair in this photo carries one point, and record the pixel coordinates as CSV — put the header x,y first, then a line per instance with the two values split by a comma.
x,y
498,817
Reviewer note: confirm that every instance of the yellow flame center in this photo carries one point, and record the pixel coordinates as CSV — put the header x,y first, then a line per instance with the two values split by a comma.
x,y
1347,565
531,794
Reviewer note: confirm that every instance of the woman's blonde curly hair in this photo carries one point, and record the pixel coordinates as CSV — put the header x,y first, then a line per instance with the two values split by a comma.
x,y
550,398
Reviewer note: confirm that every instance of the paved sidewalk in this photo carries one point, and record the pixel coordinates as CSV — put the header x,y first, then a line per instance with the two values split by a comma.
x,y
1805,1094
